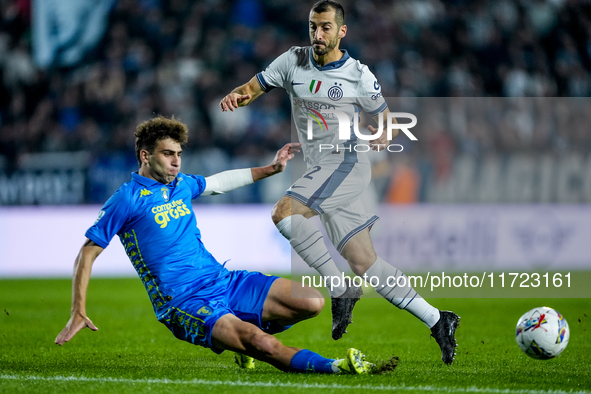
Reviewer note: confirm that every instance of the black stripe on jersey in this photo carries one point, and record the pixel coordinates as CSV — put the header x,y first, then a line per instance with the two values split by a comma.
x,y
266,87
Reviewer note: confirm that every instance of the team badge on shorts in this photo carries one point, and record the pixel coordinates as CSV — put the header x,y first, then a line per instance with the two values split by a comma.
x,y
204,310
164,193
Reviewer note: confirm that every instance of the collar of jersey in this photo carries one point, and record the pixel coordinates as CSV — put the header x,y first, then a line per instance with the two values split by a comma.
x,y
142,180
331,65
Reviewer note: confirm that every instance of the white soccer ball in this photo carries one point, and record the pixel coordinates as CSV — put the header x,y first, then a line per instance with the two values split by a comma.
x,y
542,333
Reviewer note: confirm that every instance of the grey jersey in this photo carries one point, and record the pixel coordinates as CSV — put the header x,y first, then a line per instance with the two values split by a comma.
x,y
345,85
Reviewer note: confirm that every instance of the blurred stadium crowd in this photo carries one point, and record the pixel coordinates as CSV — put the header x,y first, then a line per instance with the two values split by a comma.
x,y
179,57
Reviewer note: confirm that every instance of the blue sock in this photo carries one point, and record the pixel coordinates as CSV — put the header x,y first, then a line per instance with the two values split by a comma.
x,y
307,361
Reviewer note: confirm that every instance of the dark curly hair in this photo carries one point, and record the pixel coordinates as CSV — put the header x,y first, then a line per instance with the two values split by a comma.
x,y
151,131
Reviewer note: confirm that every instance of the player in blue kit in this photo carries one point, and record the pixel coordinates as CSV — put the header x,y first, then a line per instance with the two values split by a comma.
x,y
324,82
196,297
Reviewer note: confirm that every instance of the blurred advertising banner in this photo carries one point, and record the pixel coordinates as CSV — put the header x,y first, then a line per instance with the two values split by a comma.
x,y
485,237
414,238
51,178
44,241
474,251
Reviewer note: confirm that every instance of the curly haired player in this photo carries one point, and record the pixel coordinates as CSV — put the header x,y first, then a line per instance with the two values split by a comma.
x,y
196,297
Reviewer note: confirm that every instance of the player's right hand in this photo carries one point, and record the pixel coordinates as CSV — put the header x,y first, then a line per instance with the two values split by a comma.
x,y
232,101
284,155
76,323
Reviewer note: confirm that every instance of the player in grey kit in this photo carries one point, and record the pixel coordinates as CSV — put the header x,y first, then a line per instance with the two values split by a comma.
x,y
320,80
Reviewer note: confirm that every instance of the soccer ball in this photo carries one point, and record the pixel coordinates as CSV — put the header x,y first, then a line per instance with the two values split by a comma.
x,y
542,333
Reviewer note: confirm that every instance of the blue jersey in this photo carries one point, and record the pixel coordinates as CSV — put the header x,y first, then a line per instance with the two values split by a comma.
x,y
158,229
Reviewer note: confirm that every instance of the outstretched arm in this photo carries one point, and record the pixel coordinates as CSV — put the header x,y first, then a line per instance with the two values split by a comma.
x,y
82,268
242,95
229,180
278,164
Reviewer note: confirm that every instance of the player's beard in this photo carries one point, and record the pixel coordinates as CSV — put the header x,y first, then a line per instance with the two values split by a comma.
x,y
327,48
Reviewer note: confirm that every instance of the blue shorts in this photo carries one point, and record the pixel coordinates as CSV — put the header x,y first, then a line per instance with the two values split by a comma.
x,y
240,293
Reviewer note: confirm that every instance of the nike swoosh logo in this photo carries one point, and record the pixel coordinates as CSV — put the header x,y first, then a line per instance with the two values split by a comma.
x,y
296,187
296,83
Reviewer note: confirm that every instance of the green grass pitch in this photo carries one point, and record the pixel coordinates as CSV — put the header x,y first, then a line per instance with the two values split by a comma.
x,y
133,353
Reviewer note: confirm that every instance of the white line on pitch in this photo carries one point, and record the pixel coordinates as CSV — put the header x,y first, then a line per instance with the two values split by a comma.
x,y
201,382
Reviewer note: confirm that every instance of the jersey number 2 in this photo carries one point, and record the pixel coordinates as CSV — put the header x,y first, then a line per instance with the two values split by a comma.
x,y
315,169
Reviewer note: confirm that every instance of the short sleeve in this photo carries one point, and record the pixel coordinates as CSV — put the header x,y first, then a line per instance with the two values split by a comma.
x,y
111,219
370,94
196,183
275,74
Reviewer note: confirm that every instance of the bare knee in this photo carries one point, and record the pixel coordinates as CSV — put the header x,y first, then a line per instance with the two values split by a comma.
x,y
280,211
309,306
314,306
287,207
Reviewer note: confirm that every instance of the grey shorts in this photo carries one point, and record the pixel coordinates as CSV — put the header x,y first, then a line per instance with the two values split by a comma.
x,y
332,189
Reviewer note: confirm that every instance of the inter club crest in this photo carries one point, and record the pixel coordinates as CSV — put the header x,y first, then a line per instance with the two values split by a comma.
x,y
165,194
335,93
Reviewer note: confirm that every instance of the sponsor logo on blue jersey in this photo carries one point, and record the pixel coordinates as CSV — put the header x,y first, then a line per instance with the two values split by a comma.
x,y
145,192
166,212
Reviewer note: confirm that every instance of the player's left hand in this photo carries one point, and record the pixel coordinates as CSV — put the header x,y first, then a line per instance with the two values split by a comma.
x,y
379,143
284,155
